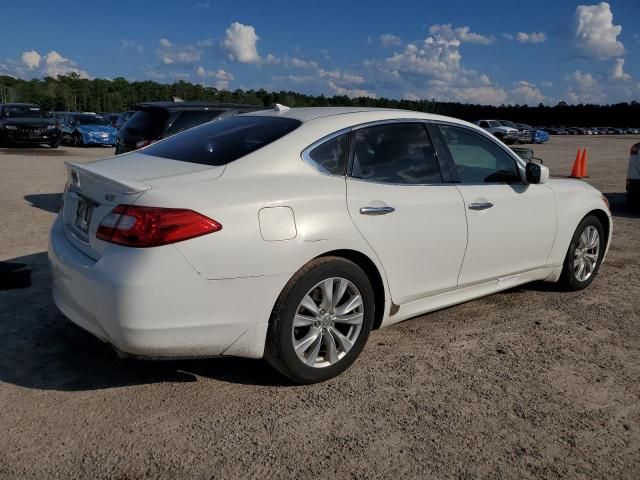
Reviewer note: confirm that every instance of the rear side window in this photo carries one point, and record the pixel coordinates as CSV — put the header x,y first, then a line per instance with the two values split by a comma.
x,y
398,153
148,123
224,141
190,119
330,157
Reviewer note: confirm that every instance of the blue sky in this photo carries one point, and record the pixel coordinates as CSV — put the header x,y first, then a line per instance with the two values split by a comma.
x,y
483,52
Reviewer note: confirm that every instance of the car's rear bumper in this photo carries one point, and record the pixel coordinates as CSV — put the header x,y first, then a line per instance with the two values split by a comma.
x,y
152,303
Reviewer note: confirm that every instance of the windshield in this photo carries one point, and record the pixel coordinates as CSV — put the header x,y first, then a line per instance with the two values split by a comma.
x,y
223,141
90,120
494,123
23,112
507,123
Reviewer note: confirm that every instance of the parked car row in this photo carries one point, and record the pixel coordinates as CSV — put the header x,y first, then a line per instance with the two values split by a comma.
x,y
510,132
590,131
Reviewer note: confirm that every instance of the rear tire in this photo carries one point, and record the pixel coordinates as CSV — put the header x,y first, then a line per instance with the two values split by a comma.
x,y
584,255
335,333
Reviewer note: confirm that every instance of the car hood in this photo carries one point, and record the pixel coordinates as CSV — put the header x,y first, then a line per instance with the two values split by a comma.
x,y
28,122
97,128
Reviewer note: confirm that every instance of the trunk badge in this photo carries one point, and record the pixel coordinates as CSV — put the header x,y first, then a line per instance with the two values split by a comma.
x,y
109,197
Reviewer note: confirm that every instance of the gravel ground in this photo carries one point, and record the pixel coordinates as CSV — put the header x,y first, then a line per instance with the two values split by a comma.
x,y
529,383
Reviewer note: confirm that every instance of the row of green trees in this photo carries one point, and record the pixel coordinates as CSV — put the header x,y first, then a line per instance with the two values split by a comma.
x,y
72,93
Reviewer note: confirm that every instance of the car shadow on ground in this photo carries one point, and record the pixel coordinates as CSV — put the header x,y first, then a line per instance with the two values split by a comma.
x,y
619,207
41,349
30,150
49,202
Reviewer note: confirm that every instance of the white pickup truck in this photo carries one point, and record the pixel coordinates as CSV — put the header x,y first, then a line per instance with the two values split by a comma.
x,y
508,135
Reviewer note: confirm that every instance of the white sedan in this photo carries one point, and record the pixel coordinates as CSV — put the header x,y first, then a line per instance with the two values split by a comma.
x,y
290,234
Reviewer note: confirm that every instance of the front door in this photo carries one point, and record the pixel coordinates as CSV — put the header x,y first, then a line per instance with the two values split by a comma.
x,y
512,225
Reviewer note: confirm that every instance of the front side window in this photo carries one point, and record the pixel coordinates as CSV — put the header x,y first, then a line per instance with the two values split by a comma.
x,y
398,153
478,159
223,141
330,157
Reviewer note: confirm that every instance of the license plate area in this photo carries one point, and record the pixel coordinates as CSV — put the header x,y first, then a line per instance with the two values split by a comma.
x,y
83,215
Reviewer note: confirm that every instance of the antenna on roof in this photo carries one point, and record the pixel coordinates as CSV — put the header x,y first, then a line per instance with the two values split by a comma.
x,y
281,108
177,99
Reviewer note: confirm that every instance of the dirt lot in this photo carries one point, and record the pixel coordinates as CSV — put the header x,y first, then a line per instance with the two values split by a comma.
x,y
529,383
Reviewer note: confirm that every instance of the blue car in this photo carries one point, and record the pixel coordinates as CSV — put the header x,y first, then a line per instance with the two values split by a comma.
x,y
84,129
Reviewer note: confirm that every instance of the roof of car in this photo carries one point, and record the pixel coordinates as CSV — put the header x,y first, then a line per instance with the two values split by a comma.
x,y
197,104
306,114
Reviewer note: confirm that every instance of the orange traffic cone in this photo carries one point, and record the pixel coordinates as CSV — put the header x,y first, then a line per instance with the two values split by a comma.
x,y
576,171
583,164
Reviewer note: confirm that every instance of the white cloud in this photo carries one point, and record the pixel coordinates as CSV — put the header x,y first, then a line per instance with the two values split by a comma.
x,y
389,40
203,5
351,92
595,34
616,72
31,59
271,59
533,37
433,69
130,44
526,93
584,88
508,36
241,43
299,63
463,34
546,84
221,76
181,55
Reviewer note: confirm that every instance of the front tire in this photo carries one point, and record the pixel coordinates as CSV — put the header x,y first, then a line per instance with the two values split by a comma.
x,y
78,141
321,320
584,255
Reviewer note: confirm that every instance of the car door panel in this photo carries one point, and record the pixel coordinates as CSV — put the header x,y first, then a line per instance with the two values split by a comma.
x,y
513,235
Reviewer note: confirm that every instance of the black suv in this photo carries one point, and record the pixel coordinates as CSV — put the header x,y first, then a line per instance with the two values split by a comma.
x,y
154,121
26,123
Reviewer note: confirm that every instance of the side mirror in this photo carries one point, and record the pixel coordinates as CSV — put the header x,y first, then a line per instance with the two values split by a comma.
x,y
537,173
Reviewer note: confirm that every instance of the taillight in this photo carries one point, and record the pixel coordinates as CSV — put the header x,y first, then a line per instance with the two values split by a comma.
x,y
635,149
142,143
152,226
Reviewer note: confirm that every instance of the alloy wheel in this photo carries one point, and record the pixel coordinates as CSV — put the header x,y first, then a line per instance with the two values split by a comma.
x,y
327,322
586,254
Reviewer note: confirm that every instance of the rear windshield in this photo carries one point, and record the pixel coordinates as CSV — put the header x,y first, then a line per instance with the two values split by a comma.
x,y
223,141
148,123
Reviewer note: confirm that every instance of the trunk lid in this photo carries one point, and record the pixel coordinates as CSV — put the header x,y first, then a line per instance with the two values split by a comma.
x,y
94,189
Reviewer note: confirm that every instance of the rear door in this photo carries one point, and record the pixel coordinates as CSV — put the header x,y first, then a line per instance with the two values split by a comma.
x,y
406,208
511,224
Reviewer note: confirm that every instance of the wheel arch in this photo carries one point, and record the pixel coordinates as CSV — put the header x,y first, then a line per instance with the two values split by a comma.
x,y
604,220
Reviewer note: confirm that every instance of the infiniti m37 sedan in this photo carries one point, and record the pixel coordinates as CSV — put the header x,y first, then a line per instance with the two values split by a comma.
x,y
289,234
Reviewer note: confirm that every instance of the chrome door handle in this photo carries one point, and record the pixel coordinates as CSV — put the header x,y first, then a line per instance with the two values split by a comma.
x,y
480,206
376,210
